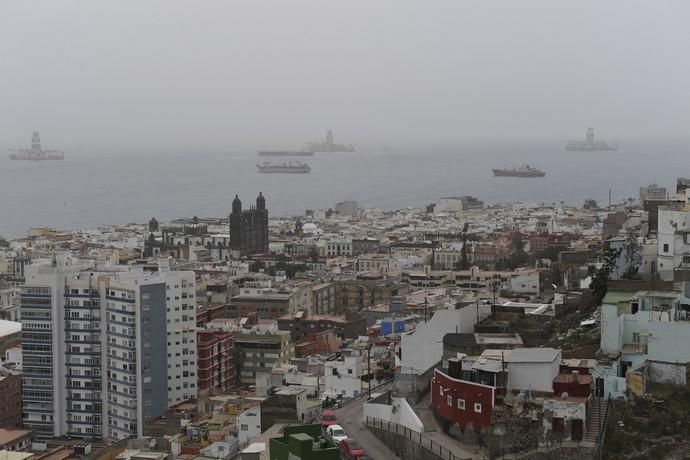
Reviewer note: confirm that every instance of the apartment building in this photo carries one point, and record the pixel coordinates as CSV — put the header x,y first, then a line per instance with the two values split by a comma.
x,y
99,345
259,351
269,302
215,353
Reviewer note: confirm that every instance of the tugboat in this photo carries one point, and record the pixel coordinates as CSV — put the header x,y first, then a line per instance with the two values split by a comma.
x,y
292,167
590,145
36,153
522,171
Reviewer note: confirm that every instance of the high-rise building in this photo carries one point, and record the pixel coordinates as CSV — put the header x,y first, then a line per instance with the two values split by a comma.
x,y
101,343
249,228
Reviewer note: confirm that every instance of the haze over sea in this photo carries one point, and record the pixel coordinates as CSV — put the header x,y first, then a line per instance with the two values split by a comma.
x,y
86,190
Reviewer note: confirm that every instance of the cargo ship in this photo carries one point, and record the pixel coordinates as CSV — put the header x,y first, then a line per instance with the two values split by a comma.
x,y
522,171
291,167
590,145
36,153
329,145
285,153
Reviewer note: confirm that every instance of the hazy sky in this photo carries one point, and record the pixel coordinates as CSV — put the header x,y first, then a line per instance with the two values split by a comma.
x,y
217,74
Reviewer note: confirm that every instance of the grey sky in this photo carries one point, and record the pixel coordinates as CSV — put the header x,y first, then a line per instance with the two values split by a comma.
x,y
258,73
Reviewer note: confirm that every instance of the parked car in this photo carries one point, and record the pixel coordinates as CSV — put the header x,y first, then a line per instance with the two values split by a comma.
x,y
328,418
336,432
351,448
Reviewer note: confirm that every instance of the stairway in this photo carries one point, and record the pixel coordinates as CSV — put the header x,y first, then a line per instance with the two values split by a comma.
x,y
595,419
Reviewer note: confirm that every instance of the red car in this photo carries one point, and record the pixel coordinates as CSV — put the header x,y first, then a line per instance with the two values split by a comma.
x,y
351,448
327,418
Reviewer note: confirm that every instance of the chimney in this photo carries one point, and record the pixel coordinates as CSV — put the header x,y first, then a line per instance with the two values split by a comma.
x,y
454,368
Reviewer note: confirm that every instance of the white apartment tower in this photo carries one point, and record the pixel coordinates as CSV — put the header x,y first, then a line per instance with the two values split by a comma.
x,y
96,341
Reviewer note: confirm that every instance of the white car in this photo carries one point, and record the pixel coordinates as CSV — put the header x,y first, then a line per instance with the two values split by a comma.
x,y
336,432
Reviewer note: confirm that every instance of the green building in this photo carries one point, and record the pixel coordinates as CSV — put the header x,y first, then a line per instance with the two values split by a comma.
x,y
303,442
260,351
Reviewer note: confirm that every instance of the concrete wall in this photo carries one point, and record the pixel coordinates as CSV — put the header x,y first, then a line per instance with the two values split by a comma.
x,y
673,373
532,376
614,386
423,348
669,341
405,448
397,410
611,329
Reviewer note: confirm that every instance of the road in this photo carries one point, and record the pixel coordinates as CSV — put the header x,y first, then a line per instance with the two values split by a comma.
x,y
350,418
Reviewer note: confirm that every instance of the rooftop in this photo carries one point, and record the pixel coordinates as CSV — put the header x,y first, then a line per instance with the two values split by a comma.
x,y
9,327
532,355
9,435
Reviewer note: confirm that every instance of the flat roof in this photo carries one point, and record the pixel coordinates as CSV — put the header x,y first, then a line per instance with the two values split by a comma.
x,y
255,448
616,297
532,355
9,435
9,327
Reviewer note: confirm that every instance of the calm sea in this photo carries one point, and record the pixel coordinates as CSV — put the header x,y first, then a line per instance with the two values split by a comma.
x,y
92,188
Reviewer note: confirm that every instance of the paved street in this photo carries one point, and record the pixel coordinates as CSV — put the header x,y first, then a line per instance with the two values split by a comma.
x,y
350,418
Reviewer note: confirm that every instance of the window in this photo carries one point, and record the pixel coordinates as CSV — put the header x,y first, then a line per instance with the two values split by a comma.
x,y
244,427
440,390
665,247
461,404
449,400
478,408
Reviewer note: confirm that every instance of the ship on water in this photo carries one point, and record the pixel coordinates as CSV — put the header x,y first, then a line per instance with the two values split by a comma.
x,y
590,144
36,153
291,167
522,171
286,153
329,145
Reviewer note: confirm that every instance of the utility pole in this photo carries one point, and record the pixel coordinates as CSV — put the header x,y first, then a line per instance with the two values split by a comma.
x,y
369,369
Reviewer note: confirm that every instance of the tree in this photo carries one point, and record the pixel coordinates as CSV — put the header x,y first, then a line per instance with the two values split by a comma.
x,y
600,276
518,258
591,203
632,253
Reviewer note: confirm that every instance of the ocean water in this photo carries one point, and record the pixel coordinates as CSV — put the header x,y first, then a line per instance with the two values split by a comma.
x,y
92,188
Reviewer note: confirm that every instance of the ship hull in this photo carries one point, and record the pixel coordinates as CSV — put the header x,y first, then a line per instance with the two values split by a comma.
x,y
284,170
36,158
502,173
591,148
285,153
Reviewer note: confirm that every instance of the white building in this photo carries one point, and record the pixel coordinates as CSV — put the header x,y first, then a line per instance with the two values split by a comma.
x,y
95,348
532,369
380,263
525,282
249,425
645,326
343,376
674,241
452,204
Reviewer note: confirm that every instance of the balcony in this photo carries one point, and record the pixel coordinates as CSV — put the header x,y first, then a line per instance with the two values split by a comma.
x,y
634,349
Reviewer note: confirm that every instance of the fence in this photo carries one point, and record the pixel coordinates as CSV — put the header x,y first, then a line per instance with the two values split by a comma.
x,y
602,429
363,394
414,436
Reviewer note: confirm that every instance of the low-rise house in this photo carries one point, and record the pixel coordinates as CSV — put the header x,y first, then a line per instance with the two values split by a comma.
x,y
460,402
533,369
